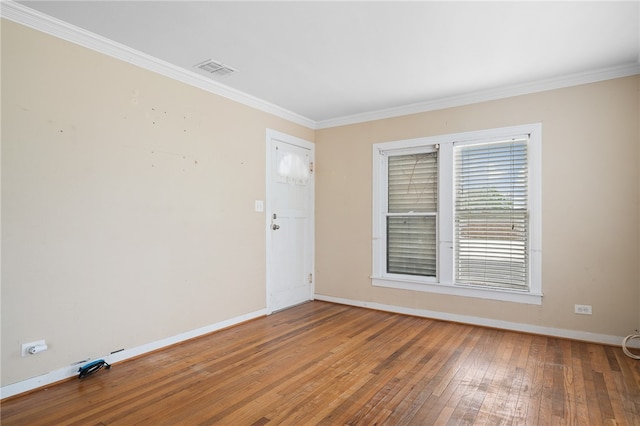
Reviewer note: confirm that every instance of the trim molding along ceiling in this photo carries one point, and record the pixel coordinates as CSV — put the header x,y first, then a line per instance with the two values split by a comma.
x,y
52,26
20,14
488,95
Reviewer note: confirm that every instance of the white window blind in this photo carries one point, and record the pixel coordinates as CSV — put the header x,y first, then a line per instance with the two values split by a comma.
x,y
492,214
411,214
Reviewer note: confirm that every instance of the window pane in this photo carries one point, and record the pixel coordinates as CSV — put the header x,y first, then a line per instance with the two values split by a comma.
x,y
411,245
492,248
491,218
413,183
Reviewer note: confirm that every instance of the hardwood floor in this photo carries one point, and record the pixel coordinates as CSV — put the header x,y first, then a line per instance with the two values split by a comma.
x,y
328,364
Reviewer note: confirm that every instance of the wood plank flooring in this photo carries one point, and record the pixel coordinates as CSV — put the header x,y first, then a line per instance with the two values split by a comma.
x,y
327,364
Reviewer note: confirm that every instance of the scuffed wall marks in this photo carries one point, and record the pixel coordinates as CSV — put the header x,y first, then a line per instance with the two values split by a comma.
x,y
173,160
171,137
127,204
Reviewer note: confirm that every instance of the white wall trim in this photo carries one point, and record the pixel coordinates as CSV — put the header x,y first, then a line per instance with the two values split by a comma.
x,y
605,339
486,95
24,15
72,370
533,298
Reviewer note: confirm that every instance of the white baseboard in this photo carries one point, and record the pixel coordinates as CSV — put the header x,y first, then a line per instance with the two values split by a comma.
x,y
605,339
70,371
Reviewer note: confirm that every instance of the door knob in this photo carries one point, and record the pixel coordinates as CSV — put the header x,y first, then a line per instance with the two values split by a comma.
x,y
275,227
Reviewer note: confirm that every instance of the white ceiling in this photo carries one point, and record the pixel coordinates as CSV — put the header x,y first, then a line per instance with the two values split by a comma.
x,y
330,60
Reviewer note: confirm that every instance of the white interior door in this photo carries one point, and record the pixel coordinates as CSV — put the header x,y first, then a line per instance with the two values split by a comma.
x,y
290,196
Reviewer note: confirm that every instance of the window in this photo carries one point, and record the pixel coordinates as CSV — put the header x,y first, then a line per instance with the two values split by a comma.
x,y
411,216
460,214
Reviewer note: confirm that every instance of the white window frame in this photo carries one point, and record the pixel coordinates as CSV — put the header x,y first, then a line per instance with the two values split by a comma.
x,y
444,282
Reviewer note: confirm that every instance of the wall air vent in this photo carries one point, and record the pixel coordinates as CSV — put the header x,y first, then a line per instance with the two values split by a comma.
x,y
214,67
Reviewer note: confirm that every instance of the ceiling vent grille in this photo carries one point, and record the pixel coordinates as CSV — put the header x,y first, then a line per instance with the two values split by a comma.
x,y
215,68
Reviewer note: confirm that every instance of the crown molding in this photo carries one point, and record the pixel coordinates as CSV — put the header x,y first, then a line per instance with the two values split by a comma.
x,y
487,95
29,17
24,15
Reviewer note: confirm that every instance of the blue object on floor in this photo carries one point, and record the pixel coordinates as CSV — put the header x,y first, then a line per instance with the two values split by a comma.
x,y
92,367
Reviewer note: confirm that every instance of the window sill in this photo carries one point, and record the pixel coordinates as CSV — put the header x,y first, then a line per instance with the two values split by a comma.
x,y
459,290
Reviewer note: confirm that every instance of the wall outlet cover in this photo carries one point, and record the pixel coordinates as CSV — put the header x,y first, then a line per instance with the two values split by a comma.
x,y
583,309
24,349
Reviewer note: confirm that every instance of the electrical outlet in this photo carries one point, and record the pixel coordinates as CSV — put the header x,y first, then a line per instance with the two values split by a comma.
x,y
583,309
24,349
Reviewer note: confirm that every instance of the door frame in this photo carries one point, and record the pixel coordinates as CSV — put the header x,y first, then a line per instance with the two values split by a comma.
x,y
272,135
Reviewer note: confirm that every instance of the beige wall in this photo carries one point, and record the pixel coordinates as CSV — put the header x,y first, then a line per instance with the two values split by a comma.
x,y
127,204
590,199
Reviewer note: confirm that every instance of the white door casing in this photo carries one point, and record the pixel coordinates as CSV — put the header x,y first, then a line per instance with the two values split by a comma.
x,y
289,220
